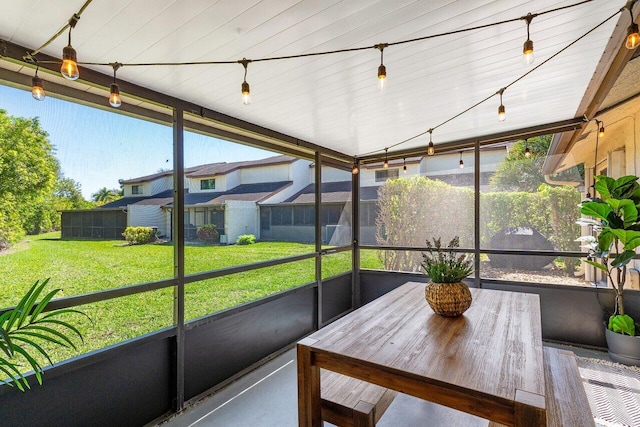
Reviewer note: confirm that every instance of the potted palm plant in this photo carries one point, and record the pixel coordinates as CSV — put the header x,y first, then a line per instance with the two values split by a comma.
x,y
446,293
616,222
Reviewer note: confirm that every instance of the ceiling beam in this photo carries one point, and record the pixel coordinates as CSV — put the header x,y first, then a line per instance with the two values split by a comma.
x,y
448,147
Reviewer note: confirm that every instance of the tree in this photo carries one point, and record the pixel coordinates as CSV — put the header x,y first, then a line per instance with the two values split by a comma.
x,y
106,195
517,172
28,171
66,195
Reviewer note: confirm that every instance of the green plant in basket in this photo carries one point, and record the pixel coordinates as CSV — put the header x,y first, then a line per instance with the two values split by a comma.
x,y
444,265
616,222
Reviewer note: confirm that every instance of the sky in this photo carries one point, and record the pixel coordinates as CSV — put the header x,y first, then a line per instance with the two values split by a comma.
x,y
98,147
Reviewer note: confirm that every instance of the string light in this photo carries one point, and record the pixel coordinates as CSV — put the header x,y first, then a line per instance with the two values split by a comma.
x,y
600,126
501,110
114,97
386,159
354,169
527,49
246,91
70,60
37,89
404,166
382,70
69,68
633,37
431,150
527,152
461,162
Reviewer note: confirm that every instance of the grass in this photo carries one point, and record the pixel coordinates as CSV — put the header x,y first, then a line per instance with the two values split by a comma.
x,y
84,266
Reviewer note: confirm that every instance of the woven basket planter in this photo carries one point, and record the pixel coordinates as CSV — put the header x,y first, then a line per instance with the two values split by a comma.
x,y
448,299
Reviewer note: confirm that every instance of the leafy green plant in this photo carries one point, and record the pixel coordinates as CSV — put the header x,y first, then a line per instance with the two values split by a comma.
x,y
617,225
446,266
246,239
622,324
139,235
24,330
208,233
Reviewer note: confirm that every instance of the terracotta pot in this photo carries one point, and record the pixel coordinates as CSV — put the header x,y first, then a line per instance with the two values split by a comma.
x,y
448,299
623,349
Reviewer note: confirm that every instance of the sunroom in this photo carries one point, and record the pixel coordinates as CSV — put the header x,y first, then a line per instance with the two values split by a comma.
x,y
499,154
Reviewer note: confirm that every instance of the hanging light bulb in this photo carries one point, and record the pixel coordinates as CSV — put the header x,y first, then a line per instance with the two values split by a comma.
x,y
600,129
37,89
527,49
461,162
502,115
431,150
527,152
633,36
382,70
246,91
386,160
69,67
114,97
404,166
354,169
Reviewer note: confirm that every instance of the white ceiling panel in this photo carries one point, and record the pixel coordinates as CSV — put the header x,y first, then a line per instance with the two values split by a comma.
x,y
333,100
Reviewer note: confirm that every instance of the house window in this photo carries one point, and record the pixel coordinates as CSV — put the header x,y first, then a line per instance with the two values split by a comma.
x,y
385,174
135,189
208,184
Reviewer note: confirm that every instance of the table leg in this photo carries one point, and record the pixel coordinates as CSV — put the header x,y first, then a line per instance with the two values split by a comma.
x,y
530,410
308,387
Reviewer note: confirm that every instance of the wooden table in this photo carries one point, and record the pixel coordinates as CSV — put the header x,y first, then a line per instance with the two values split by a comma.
x,y
487,362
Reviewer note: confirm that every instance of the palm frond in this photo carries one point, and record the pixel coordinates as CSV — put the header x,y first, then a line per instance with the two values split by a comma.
x,y
25,327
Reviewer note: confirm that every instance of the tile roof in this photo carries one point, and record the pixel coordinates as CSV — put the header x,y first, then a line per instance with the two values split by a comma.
x,y
211,169
244,192
332,192
223,168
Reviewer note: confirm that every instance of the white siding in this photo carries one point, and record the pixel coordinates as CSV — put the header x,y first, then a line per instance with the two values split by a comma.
x,y
330,174
148,216
274,173
299,174
159,185
232,180
450,163
240,218
221,184
144,189
368,176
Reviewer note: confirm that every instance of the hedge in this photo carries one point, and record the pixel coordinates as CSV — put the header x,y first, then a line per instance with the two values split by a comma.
x,y
416,209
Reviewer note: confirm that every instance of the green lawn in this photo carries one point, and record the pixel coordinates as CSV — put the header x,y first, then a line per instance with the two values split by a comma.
x,y
83,266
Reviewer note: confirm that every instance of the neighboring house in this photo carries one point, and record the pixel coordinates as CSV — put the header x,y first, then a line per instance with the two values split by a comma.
x,y
272,198
618,151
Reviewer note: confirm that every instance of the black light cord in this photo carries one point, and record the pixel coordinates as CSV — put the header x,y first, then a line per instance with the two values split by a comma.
x,y
306,55
30,57
70,24
499,92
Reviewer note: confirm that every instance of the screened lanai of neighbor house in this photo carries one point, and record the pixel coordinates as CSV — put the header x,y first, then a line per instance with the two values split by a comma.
x,y
291,161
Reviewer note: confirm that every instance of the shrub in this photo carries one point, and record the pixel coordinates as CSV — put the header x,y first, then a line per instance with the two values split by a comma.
x,y
246,239
208,233
139,235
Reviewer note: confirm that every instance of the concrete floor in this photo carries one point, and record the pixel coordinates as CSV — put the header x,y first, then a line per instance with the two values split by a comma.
x,y
267,397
